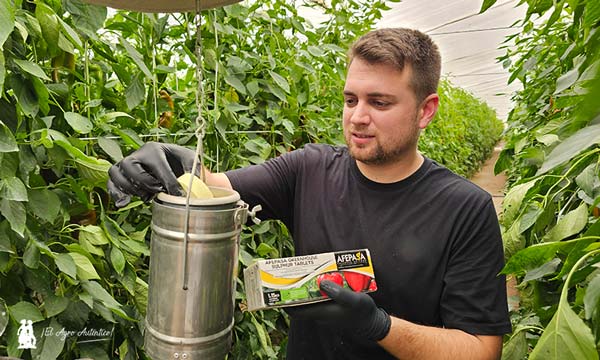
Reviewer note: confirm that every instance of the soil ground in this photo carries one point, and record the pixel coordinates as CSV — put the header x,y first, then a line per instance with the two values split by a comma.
x,y
496,186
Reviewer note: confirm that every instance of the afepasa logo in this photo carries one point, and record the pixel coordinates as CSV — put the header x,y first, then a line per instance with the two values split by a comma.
x,y
351,259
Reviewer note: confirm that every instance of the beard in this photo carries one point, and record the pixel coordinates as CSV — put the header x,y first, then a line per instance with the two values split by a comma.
x,y
388,153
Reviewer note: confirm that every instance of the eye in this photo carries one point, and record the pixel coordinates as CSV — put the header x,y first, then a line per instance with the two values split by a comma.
x,y
350,101
380,103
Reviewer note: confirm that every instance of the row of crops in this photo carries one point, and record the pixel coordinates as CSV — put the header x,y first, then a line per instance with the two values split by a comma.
x,y
81,87
550,214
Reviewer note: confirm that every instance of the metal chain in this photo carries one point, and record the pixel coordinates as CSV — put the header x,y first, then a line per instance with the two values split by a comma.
x,y
200,131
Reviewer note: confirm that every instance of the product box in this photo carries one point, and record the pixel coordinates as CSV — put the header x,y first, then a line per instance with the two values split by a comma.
x,y
295,280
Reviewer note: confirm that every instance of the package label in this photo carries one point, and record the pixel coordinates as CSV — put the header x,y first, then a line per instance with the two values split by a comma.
x,y
295,280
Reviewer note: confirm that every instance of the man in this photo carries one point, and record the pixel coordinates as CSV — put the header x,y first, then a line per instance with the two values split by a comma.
x,y
434,236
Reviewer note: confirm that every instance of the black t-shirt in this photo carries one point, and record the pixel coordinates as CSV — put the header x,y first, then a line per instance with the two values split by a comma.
x,y
434,240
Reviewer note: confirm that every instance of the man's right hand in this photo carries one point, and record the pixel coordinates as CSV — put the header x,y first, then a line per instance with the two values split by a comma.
x,y
151,169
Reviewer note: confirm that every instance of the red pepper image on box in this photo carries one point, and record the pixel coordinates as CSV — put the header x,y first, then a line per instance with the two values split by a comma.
x,y
335,276
357,281
373,285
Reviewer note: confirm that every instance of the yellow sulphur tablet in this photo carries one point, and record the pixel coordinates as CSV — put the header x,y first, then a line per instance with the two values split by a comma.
x,y
199,189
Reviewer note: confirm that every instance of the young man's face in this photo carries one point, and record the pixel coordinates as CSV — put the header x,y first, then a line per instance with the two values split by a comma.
x,y
382,118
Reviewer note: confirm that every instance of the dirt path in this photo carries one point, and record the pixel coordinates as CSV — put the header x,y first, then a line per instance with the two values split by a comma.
x,y
496,185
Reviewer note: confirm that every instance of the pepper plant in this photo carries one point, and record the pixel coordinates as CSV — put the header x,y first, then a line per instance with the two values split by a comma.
x,y
80,87
550,213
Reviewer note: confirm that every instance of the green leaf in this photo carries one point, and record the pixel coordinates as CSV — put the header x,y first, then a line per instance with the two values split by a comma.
x,y
315,51
5,242
41,91
66,264
111,147
129,137
236,83
79,123
49,25
588,179
91,169
14,212
136,57
55,305
565,337
539,272
530,216
135,92
592,14
570,224
592,296
25,93
280,81
260,330
252,86
71,34
7,21
533,256
245,258
513,199
117,259
52,346
571,147
566,80
7,140
32,68
85,269
265,249
31,256
13,189
24,310
44,204
93,234
2,70
515,348
9,164
259,146
86,17
93,351
486,5
99,293
3,315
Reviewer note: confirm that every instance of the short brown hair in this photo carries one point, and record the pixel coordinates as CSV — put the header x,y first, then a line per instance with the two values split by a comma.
x,y
398,47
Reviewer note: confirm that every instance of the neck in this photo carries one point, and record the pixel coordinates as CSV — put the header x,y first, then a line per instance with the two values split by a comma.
x,y
391,172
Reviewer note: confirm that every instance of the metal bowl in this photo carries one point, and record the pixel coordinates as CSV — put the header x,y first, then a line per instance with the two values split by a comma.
x,y
161,6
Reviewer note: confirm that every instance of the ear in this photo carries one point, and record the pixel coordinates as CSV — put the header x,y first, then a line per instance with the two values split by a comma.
x,y
427,110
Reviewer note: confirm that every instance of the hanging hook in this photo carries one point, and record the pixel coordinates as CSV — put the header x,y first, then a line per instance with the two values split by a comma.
x,y
200,130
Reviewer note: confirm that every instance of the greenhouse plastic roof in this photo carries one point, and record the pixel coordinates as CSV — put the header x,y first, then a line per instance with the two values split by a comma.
x,y
468,42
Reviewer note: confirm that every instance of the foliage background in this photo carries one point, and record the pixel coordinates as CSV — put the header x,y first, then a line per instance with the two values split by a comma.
x,y
81,87
550,212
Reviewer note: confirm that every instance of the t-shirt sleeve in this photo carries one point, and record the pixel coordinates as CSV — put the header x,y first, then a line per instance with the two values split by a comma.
x,y
473,298
270,184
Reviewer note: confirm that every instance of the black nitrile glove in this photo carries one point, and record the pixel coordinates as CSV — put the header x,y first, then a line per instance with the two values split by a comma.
x,y
354,312
151,169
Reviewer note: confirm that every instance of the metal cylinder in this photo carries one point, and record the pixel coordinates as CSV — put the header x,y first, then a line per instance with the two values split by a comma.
x,y
195,323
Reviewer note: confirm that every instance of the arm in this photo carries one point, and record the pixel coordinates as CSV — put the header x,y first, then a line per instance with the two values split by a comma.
x,y
357,313
411,341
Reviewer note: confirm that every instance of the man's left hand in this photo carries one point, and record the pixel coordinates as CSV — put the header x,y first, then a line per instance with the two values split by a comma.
x,y
349,310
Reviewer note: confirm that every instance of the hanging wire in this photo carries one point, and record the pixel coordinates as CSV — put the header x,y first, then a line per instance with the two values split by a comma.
x,y
215,107
154,77
200,130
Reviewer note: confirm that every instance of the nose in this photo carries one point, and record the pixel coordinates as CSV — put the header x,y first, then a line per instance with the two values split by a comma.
x,y
360,114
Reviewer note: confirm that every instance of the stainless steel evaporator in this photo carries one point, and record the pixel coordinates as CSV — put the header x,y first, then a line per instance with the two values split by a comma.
x,y
193,323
